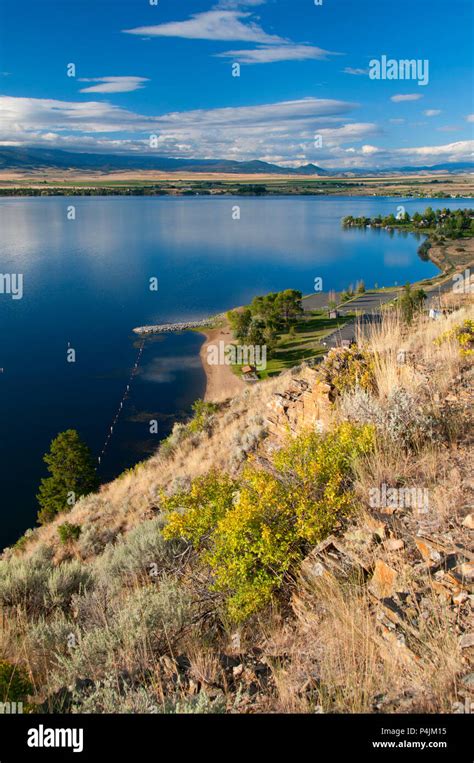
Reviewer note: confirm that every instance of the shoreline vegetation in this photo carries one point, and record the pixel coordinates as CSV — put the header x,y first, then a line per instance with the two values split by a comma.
x,y
436,186
449,245
449,233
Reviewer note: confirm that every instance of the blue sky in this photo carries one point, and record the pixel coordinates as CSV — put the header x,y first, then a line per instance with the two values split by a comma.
x,y
166,70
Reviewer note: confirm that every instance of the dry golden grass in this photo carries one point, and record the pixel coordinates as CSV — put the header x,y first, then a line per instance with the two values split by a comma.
x,y
391,337
330,653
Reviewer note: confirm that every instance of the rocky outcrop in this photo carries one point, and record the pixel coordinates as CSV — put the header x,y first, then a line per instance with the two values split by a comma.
x,y
304,404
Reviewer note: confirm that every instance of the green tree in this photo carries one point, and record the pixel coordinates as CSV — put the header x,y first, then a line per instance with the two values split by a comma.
x,y
256,335
289,305
73,474
240,322
411,302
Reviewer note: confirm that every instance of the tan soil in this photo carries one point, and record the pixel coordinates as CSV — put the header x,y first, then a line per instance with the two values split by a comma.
x,y
222,383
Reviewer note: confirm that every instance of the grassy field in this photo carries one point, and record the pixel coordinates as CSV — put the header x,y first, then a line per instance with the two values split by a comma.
x,y
148,182
303,344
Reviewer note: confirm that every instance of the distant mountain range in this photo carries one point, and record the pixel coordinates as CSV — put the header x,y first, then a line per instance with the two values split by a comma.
x,y
25,159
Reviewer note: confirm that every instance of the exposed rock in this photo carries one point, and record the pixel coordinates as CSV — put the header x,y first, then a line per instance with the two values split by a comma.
x,y
460,597
467,570
430,554
383,580
238,670
466,640
394,544
300,406
468,680
469,521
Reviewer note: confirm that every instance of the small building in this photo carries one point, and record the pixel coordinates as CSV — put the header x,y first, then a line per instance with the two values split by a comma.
x,y
333,314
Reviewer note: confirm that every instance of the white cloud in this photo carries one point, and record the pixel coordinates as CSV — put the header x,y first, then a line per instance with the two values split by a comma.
x,y
239,3
409,97
356,72
283,130
470,118
461,150
114,84
216,24
432,112
269,54
241,132
397,121
337,136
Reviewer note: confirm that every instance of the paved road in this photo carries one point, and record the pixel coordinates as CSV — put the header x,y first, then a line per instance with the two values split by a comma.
x,y
367,303
367,306
434,293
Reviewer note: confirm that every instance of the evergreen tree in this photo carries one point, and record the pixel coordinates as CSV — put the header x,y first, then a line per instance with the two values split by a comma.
x,y
73,475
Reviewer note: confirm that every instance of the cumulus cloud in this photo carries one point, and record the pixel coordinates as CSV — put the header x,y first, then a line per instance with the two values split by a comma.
x,y
470,118
283,132
461,150
408,97
239,132
432,112
113,84
217,24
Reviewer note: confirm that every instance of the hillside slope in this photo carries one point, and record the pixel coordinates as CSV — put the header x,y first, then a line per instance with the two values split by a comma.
x,y
307,547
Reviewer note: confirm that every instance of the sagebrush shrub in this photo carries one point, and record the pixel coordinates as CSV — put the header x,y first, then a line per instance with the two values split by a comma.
x,y
47,639
65,580
399,418
23,580
362,407
138,627
93,539
110,695
141,553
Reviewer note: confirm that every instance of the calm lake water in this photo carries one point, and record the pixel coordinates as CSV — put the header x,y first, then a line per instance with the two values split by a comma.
x,y
86,285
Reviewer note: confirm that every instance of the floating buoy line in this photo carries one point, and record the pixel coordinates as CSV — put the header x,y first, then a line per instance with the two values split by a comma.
x,y
122,402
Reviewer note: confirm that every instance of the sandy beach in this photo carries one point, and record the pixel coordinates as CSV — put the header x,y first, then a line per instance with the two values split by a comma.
x,y
221,383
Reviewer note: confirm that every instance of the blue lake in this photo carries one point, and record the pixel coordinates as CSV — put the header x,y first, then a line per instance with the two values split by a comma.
x,y
86,285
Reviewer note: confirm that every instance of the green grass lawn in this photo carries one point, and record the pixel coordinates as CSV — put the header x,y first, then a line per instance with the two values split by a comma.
x,y
306,342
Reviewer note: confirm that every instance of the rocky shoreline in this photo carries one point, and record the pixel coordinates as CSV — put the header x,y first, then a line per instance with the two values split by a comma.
x,y
167,328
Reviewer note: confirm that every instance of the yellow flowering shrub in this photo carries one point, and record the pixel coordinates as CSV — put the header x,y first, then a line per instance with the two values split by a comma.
x,y
345,369
464,333
253,533
195,514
